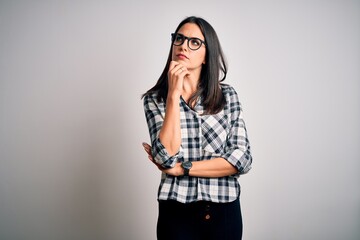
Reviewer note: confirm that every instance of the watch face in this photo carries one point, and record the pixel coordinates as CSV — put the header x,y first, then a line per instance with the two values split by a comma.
x,y
187,165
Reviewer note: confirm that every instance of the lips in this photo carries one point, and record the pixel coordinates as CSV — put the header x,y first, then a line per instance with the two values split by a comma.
x,y
182,56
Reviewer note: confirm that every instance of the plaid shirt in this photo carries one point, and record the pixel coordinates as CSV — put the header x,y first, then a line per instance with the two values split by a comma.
x,y
203,137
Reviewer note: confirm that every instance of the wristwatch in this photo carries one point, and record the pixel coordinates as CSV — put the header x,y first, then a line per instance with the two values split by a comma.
x,y
186,166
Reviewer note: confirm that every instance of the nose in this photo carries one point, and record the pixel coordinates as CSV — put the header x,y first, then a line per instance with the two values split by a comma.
x,y
185,45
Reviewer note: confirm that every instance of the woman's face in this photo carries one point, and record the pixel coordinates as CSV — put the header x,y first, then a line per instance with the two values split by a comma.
x,y
191,59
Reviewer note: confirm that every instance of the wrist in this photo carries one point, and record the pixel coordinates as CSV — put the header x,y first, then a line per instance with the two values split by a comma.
x,y
186,166
173,96
180,171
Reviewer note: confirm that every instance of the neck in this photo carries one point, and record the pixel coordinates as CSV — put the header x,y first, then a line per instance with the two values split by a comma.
x,y
190,84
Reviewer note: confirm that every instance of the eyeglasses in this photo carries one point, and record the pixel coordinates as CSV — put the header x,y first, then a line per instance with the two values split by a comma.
x,y
193,43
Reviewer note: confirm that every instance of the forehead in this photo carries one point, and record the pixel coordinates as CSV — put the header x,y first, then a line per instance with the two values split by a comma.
x,y
191,30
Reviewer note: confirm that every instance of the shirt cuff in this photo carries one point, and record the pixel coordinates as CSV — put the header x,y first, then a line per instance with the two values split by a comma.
x,y
162,157
240,160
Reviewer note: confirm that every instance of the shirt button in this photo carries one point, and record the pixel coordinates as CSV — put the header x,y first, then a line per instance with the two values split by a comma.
x,y
207,217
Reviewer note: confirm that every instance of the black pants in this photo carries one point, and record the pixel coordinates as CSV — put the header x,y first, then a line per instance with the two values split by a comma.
x,y
199,221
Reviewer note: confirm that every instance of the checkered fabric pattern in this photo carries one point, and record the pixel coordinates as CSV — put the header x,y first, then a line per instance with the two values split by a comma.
x,y
203,137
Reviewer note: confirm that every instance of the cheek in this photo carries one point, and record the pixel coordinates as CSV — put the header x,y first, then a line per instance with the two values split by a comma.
x,y
204,58
172,53
200,57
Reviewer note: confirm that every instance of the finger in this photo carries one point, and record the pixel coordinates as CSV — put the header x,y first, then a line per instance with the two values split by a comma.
x,y
176,66
182,73
148,152
181,69
173,64
175,70
153,161
179,72
146,146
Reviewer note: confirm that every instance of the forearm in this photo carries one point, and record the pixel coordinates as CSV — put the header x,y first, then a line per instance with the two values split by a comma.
x,y
217,167
170,133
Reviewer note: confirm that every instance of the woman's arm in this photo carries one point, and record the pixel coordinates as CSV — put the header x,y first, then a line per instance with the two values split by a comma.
x,y
164,128
216,167
170,133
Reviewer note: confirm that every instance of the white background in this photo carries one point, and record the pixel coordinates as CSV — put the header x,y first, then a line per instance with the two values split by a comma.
x,y
72,122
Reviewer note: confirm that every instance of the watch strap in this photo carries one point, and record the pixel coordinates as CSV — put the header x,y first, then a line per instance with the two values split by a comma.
x,y
186,171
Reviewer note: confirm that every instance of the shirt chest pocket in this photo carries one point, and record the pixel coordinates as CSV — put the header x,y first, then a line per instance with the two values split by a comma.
x,y
214,132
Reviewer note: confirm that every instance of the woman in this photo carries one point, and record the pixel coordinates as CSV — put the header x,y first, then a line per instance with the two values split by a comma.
x,y
198,138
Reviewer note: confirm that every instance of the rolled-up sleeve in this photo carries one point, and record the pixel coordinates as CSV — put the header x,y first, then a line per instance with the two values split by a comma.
x,y
155,117
237,149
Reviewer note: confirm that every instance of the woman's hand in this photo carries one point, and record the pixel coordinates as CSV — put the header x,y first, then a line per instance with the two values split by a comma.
x,y
147,149
175,171
176,75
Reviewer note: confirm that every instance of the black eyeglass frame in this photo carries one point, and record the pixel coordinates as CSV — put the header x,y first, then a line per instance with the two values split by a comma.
x,y
173,35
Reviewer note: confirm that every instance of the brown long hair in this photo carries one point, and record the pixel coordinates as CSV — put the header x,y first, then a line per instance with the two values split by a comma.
x,y
213,72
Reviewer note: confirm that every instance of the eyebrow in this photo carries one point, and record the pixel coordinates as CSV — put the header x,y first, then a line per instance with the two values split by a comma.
x,y
190,37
